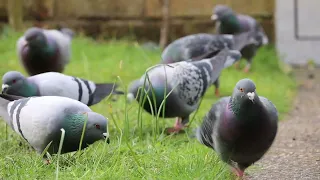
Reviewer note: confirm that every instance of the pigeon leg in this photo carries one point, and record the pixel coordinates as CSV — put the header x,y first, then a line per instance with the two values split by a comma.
x,y
247,68
217,92
238,172
178,126
46,161
237,65
217,84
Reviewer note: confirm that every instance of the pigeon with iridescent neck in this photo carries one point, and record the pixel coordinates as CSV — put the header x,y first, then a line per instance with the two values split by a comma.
x,y
228,22
57,84
41,50
183,82
202,45
240,128
39,121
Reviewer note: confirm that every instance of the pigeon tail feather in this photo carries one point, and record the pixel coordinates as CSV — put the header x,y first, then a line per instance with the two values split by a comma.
x,y
103,90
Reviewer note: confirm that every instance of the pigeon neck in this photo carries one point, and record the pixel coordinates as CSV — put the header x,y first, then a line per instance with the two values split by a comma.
x,y
29,89
243,109
230,24
73,124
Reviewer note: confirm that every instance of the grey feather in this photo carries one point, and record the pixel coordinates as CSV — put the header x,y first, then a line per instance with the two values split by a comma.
x,y
57,84
40,50
39,128
240,128
187,82
200,46
228,22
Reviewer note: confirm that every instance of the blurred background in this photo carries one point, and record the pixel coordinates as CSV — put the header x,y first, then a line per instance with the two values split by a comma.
x,y
289,20
139,19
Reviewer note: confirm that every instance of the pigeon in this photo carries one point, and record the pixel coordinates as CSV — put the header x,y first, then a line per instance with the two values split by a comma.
x,y
240,128
228,22
186,81
39,120
68,32
202,45
56,84
41,50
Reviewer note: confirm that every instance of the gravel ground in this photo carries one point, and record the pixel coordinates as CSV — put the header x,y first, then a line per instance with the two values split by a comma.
x,y
295,153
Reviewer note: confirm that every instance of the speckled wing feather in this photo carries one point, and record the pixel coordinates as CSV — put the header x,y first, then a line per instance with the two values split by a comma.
x,y
195,45
193,78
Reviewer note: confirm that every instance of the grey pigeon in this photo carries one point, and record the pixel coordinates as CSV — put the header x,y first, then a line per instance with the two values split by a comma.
x,y
57,84
240,128
68,32
188,81
39,121
200,46
41,50
228,22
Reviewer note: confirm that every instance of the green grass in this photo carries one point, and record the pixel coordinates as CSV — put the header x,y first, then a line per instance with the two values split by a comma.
x,y
134,152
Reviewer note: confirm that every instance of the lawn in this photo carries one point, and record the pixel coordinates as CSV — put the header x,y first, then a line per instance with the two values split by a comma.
x,y
136,151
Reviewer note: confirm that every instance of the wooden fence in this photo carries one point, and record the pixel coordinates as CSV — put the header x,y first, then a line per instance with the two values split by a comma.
x,y
108,14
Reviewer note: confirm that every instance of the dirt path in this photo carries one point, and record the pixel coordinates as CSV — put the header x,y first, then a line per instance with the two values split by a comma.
x,y
296,152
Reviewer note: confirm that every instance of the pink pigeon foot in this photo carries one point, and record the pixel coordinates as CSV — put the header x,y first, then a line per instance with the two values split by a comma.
x,y
238,172
246,70
178,126
217,92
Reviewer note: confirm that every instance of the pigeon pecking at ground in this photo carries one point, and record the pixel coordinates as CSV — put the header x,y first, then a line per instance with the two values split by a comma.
x,y
202,45
41,50
188,81
39,121
240,128
57,84
228,22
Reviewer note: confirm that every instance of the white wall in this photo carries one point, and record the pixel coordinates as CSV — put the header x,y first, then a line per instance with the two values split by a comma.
x,y
294,51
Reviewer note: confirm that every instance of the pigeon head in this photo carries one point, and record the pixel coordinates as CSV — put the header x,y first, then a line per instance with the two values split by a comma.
x,y
96,128
220,12
15,83
244,92
35,37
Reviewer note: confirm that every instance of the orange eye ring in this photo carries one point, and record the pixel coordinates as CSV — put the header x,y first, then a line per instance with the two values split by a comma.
x,y
241,89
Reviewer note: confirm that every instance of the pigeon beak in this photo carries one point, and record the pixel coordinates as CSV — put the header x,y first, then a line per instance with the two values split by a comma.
x,y
251,96
106,136
4,88
214,17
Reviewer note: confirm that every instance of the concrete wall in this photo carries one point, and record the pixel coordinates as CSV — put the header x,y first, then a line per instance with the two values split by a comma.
x,y
297,29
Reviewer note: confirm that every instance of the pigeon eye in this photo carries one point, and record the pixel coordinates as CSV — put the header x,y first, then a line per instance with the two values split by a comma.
x,y
97,126
241,89
14,81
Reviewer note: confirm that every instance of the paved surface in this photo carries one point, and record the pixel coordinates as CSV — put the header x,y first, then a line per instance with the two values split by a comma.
x,y
295,153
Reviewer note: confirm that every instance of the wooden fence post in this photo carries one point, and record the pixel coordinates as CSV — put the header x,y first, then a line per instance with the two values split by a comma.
x,y
164,32
15,14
